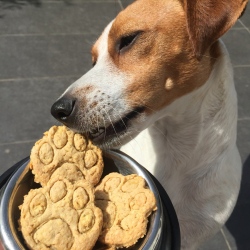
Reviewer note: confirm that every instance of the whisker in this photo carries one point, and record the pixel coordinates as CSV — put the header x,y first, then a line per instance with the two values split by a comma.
x,y
153,125
105,128
118,140
135,140
80,121
146,106
108,116
120,118
98,127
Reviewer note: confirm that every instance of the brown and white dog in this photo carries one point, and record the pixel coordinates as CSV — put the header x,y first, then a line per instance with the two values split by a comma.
x,y
161,89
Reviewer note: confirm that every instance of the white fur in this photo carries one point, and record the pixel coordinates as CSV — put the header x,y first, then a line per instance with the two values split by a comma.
x,y
107,84
192,151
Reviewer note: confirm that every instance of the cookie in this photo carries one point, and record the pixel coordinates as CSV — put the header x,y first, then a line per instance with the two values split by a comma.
x,y
62,152
126,203
61,216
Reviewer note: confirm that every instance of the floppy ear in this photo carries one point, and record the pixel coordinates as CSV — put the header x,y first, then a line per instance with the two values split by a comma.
x,y
207,20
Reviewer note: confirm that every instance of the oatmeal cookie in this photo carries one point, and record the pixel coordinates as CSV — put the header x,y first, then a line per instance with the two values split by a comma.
x,y
62,152
61,216
126,203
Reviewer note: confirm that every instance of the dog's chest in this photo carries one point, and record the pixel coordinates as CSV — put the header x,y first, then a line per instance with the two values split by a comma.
x,y
151,153
142,150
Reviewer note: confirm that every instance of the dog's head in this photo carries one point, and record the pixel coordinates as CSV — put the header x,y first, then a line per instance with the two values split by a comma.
x,y
154,52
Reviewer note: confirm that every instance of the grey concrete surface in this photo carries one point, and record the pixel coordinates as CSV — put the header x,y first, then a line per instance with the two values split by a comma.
x,y
44,46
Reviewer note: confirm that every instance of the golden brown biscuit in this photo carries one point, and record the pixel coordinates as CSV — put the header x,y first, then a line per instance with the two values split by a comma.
x,y
61,216
62,152
126,203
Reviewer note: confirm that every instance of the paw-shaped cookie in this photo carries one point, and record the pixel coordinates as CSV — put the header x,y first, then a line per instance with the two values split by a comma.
x,y
126,203
62,152
61,216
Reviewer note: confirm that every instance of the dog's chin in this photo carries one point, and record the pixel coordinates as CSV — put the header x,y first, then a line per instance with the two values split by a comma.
x,y
108,138
114,134
116,140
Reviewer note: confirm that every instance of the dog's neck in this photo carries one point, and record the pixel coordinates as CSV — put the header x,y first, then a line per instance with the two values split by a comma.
x,y
177,137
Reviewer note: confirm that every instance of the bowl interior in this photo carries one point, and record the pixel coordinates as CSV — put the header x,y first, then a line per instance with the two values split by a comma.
x,y
113,162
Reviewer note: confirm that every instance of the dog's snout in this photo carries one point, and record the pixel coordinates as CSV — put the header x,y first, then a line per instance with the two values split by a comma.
x,y
63,108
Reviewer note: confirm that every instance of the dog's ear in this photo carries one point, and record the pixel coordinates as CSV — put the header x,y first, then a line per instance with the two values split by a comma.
x,y
207,20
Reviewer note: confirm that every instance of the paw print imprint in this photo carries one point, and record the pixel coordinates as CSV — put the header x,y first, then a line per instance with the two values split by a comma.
x,y
62,152
61,215
126,203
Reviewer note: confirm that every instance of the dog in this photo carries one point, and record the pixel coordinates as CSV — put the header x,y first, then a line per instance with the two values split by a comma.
x,y
161,89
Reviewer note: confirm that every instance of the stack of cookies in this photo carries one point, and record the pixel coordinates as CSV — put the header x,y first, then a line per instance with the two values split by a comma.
x,y
74,208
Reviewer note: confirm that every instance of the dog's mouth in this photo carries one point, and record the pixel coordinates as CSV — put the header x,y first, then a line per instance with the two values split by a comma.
x,y
114,129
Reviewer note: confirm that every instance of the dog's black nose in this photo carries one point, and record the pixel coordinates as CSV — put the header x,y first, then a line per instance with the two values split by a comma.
x,y
62,109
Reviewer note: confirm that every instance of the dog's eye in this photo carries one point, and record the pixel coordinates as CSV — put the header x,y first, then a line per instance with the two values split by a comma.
x,y
127,41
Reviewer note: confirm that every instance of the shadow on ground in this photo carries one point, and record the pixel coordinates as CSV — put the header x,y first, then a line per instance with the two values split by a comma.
x,y
18,4
239,222
10,4
6,5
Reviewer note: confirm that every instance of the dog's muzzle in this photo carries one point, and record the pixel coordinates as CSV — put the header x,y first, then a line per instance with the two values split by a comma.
x,y
63,110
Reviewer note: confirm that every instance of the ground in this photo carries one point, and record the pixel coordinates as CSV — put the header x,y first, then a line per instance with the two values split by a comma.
x,y
44,46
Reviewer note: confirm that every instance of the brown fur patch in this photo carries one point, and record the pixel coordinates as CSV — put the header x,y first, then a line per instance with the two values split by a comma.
x,y
161,63
94,52
161,54
209,20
